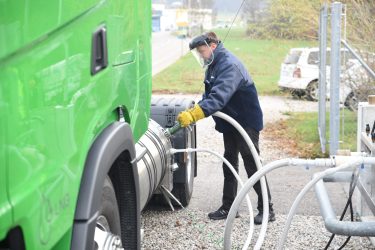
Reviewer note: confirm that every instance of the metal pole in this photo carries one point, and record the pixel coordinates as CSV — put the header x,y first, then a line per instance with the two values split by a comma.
x,y
322,76
358,57
334,123
344,64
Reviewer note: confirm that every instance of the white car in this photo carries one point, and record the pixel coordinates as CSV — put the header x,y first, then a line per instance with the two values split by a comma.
x,y
299,74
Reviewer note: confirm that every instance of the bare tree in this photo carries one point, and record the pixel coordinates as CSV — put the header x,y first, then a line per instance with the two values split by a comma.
x,y
360,34
250,10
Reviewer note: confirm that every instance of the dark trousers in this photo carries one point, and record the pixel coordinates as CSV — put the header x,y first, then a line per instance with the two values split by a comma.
x,y
233,145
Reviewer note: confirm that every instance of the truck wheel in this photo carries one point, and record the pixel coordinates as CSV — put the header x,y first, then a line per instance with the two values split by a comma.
x,y
312,91
108,220
183,191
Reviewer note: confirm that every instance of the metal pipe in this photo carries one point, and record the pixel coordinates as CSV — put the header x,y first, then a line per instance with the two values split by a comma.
x,y
317,177
334,120
343,176
325,206
364,64
274,165
322,76
348,228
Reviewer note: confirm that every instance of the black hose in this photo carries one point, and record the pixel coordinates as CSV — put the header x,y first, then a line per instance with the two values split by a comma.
x,y
353,184
352,219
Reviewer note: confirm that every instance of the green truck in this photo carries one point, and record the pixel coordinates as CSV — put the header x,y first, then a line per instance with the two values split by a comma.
x,y
79,155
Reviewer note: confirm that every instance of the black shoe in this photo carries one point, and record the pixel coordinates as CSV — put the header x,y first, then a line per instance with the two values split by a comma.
x,y
220,214
259,218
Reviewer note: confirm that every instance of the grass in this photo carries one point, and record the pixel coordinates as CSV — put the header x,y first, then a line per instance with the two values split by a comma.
x,y
262,58
302,128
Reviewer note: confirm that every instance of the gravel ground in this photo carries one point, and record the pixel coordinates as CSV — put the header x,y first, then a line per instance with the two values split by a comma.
x,y
190,228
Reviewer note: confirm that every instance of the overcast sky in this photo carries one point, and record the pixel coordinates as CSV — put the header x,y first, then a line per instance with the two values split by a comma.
x,y
227,5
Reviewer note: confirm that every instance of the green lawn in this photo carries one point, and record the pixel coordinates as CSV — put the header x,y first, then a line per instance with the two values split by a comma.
x,y
262,58
303,129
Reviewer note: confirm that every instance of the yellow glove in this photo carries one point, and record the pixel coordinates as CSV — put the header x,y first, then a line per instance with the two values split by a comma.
x,y
187,117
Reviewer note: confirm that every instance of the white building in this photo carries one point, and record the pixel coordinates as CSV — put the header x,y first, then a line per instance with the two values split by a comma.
x,y
177,18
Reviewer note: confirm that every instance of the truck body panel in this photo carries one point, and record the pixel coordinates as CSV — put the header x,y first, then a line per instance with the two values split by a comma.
x,y
54,108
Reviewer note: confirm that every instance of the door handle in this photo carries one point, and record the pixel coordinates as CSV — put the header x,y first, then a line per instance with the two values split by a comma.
x,y
99,53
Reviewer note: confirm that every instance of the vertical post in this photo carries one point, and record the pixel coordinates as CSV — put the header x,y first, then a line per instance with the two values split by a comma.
x,y
334,123
322,76
182,47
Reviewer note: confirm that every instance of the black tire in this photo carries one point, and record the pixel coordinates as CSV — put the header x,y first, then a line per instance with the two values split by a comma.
x,y
109,216
297,94
184,191
351,102
312,91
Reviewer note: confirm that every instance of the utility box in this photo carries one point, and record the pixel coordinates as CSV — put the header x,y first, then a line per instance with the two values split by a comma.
x,y
365,196
165,111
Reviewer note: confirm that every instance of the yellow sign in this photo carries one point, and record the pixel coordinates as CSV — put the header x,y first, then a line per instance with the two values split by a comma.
x,y
181,18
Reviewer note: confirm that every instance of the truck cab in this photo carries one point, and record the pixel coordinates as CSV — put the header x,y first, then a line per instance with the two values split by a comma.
x,y
75,99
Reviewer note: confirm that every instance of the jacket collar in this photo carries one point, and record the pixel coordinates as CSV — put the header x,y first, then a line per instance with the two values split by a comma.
x,y
218,53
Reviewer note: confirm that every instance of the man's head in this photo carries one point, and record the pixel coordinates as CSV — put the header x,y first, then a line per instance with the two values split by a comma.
x,y
203,46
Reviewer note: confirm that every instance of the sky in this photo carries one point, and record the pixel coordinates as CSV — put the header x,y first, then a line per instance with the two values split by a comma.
x,y
229,6
220,5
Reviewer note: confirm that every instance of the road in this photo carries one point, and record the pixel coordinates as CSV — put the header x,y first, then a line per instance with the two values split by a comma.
x,y
166,49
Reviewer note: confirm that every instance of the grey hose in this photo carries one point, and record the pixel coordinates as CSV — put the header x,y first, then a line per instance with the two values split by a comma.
x,y
189,150
250,183
255,154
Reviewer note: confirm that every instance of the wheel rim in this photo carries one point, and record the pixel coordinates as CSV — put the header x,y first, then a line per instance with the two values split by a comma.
x,y
352,102
104,239
102,223
313,91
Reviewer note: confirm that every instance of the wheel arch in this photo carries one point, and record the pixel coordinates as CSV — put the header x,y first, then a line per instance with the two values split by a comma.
x,y
312,81
115,142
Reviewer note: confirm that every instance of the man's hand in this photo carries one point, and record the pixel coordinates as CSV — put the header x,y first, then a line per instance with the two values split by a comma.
x,y
187,117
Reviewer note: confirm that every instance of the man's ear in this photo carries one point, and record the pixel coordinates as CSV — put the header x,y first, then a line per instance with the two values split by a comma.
x,y
213,46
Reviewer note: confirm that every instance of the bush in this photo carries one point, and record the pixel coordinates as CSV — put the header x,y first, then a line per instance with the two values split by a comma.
x,y
288,19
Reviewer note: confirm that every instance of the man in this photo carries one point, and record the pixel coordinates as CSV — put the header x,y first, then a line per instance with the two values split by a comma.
x,y
229,89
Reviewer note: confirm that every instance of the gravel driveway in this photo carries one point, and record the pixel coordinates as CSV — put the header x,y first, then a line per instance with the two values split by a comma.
x,y
191,229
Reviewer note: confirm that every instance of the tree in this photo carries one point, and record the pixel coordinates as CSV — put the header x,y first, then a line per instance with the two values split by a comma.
x,y
294,19
360,34
286,19
251,9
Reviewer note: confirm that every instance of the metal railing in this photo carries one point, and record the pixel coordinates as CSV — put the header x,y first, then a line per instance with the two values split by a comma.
x,y
335,71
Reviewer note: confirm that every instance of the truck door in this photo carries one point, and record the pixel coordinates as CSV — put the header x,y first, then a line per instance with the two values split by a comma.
x,y
5,208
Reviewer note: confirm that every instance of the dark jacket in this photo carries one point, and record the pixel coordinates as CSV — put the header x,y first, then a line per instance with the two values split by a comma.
x,y
230,89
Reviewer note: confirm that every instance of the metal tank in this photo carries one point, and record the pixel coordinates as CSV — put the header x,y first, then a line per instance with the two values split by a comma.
x,y
154,162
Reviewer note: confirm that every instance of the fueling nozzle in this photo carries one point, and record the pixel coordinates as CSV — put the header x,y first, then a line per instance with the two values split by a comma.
x,y
170,131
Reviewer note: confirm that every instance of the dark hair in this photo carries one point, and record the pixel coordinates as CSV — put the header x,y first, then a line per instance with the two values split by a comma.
x,y
206,38
212,37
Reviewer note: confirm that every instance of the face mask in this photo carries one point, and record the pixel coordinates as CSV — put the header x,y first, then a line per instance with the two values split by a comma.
x,y
203,60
